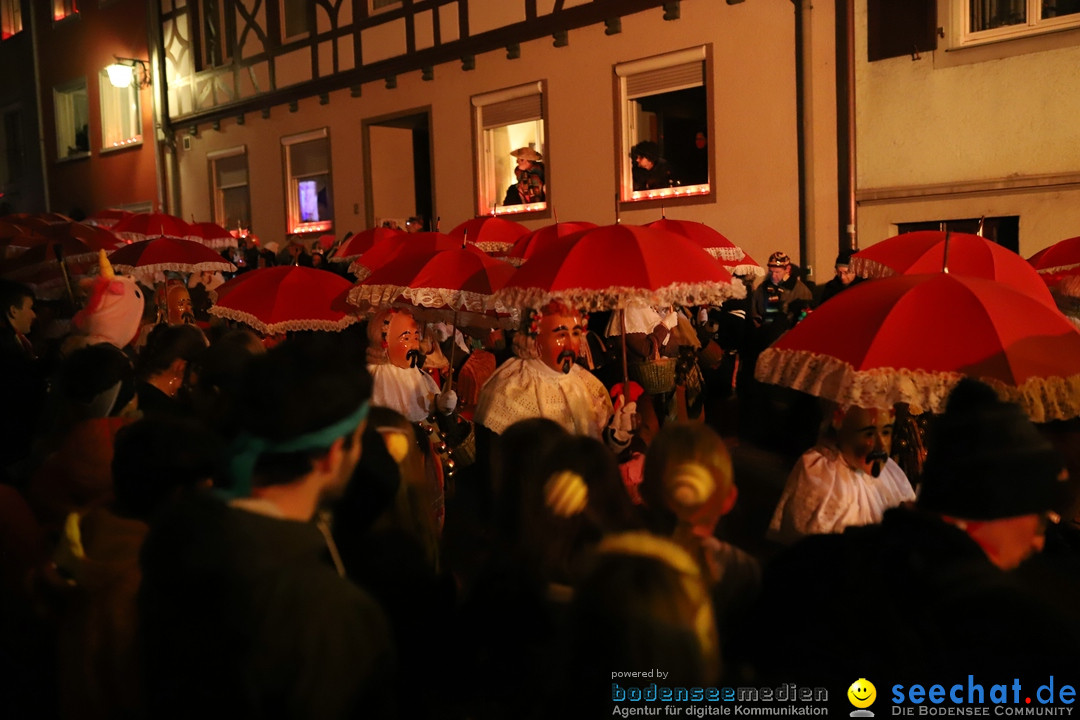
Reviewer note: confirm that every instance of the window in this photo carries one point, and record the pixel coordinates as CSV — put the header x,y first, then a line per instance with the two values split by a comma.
x,y
663,104
987,20
72,120
63,9
215,49
511,153
231,200
375,6
10,18
307,168
11,146
121,120
295,17
1004,230
900,28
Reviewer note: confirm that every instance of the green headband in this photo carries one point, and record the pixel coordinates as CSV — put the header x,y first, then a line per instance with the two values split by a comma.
x,y
247,448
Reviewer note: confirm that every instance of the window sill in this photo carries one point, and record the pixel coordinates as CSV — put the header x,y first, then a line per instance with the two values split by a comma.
x,y
682,191
73,157
996,48
311,227
124,145
520,209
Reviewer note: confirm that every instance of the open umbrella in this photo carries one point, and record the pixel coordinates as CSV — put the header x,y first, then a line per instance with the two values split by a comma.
x,y
286,298
363,241
211,235
389,248
146,226
1059,260
931,251
911,338
528,245
490,233
606,267
731,256
166,253
71,249
108,218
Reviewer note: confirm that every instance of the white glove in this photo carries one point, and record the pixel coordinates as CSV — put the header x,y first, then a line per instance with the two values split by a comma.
x,y
446,401
670,320
622,423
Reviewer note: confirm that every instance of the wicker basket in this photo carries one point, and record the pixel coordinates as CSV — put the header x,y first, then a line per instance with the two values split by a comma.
x,y
655,376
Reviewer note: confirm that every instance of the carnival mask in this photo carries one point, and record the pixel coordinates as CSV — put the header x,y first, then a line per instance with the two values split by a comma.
x,y
558,339
178,305
403,341
864,437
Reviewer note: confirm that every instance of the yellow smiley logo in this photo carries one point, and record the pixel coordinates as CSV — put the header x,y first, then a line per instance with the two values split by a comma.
x,y
862,693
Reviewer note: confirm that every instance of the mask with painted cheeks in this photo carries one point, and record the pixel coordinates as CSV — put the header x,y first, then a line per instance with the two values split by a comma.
x,y
558,337
178,302
864,437
403,341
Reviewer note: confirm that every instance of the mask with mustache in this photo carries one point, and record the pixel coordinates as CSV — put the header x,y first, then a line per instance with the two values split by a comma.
x,y
416,358
566,360
877,462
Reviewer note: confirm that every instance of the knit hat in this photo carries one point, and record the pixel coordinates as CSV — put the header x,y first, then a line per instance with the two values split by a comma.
x,y
779,259
844,258
987,461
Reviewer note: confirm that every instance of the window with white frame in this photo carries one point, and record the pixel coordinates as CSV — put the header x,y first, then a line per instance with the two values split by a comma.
x,y
295,19
63,9
11,146
231,199
982,21
663,106
72,120
10,18
121,119
307,171
511,152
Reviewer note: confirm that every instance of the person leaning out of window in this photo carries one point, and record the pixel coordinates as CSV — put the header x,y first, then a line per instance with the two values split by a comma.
x,y
529,178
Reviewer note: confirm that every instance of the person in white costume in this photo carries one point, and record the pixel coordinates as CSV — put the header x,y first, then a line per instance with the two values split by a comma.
x,y
846,479
395,361
544,380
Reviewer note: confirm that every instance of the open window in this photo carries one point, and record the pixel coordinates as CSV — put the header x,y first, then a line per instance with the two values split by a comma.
x,y
307,173
121,117
10,18
511,153
64,9
230,197
663,106
72,120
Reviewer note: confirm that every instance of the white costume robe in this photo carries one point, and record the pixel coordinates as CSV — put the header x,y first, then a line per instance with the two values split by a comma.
x,y
409,391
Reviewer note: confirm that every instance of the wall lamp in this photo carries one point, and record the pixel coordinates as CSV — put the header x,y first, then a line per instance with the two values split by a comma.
x,y
122,72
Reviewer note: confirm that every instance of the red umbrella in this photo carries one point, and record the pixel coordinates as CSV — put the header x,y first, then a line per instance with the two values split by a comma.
x,y
608,266
286,298
42,255
389,248
1058,259
911,338
363,241
108,217
730,255
37,221
458,279
491,234
146,226
96,238
924,251
528,245
211,235
166,253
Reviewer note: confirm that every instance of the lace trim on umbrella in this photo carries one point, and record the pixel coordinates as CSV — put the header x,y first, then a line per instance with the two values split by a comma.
x,y
732,252
141,237
218,243
866,268
374,295
494,247
284,326
209,266
615,297
756,270
437,297
1057,269
359,271
1044,399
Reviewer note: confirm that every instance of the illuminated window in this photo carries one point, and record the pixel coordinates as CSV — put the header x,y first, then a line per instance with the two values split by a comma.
x,y
121,120
10,18
512,161
296,18
72,120
307,170
231,199
980,21
663,106
63,9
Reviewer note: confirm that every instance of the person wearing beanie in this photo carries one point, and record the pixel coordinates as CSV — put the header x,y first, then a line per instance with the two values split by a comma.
x,y
932,591
776,302
845,277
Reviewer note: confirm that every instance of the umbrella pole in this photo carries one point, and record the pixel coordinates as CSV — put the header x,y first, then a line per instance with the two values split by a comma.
x,y
58,250
625,371
453,349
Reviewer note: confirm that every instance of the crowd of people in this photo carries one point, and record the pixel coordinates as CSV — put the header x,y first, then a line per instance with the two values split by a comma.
x,y
400,520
